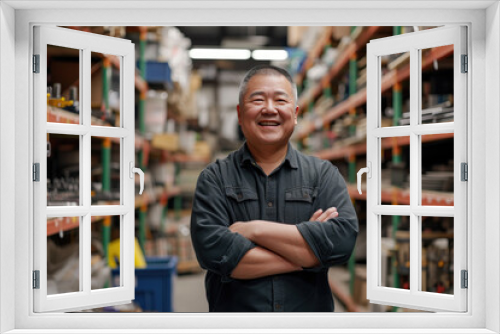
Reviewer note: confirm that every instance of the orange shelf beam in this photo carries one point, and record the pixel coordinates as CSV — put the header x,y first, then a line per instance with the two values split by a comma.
x,y
314,53
358,99
387,143
339,64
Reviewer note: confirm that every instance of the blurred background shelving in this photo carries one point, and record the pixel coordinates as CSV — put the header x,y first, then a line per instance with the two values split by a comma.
x,y
185,117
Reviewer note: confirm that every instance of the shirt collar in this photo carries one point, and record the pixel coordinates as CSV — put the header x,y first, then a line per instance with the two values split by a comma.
x,y
247,158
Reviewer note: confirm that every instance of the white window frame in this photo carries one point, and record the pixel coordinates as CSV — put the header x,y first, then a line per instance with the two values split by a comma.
x,y
483,20
124,50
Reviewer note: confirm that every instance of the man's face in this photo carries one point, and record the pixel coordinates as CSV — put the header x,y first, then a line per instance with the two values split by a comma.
x,y
268,113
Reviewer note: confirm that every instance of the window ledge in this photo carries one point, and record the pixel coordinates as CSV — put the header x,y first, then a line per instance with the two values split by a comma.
x,y
248,331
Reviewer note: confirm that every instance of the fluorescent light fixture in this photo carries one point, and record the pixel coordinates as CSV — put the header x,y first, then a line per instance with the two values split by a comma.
x,y
219,54
269,54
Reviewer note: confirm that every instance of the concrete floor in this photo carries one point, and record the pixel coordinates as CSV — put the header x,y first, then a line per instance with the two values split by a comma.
x,y
189,293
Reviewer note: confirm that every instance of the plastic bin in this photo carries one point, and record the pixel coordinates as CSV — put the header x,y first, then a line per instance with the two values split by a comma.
x,y
154,284
157,72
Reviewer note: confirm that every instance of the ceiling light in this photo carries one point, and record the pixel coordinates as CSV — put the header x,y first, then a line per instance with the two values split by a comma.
x,y
269,54
219,54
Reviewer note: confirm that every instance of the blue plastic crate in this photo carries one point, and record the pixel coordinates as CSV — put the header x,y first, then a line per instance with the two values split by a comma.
x,y
154,284
158,72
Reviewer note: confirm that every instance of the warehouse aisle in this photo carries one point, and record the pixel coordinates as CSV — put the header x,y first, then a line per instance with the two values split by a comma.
x,y
189,293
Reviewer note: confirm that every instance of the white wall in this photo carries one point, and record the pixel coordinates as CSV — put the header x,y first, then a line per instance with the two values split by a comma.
x,y
492,154
7,160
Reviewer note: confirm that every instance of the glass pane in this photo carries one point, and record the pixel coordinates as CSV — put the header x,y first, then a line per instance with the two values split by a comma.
x,y
395,171
63,169
437,169
105,171
106,251
437,85
63,84
437,254
395,96
105,90
63,255
395,252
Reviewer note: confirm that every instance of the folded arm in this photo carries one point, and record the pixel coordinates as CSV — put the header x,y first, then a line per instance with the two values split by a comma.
x,y
227,254
327,238
260,262
283,239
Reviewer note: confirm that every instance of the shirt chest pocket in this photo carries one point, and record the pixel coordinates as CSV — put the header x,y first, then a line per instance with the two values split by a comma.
x,y
299,203
243,203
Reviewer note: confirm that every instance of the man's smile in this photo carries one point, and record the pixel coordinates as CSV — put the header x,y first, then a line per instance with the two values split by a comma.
x,y
269,123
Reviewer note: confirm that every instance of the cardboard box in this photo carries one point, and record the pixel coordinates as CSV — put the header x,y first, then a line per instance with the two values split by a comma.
x,y
166,141
360,286
202,150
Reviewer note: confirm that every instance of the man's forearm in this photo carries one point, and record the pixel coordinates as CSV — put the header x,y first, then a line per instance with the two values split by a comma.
x,y
260,262
283,239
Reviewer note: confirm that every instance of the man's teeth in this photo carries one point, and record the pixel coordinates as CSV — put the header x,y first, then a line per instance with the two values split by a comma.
x,y
269,123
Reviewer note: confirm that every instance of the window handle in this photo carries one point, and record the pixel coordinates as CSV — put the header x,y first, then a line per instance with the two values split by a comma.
x,y
368,171
141,175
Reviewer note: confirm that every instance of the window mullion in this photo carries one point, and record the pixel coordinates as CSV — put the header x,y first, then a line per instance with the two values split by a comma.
x,y
109,132
40,156
434,211
85,158
392,210
85,254
108,210
373,144
127,65
433,129
460,154
85,168
415,161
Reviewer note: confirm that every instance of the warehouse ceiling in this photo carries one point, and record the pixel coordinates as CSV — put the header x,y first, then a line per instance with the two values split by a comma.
x,y
234,36
248,37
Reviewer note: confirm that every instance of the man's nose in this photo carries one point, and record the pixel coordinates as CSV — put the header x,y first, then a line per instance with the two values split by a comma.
x,y
269,107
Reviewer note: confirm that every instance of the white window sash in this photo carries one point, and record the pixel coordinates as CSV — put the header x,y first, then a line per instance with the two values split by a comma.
x,y
413,298
86,298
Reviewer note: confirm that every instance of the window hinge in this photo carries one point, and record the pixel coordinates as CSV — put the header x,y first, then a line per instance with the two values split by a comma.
x,y
465,171
36,172
465,64
36,279
465,279
36,63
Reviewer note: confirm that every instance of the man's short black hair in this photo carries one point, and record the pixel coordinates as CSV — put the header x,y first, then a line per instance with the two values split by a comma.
x,y
265,70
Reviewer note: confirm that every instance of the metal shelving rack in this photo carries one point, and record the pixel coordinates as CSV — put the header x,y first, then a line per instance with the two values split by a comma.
x,y
346,62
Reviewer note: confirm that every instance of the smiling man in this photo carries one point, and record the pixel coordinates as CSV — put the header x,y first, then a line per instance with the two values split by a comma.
x,y
268,221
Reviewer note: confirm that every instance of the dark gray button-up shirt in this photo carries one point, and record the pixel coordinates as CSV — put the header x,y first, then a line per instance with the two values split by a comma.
x,y
236,189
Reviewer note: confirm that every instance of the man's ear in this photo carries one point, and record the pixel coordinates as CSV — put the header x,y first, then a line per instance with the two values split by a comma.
x,y
296,114
239,113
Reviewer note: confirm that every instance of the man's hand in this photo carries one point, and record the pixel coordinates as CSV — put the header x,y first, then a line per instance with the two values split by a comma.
x,y
246,229
324,216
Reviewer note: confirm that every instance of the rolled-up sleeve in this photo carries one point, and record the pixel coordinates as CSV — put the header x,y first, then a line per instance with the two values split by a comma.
x,y
332,241
217,248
